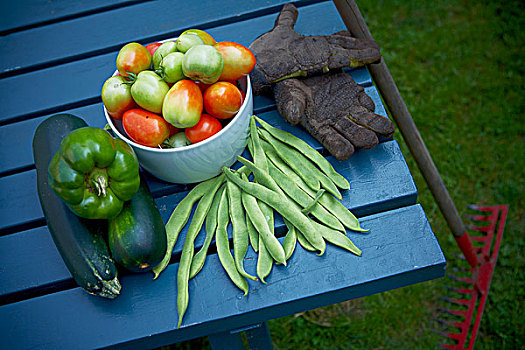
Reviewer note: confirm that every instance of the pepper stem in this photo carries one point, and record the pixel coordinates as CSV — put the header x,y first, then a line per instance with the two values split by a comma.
x,y
100,185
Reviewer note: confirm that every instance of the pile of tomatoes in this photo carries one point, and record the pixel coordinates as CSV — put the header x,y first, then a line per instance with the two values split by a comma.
x,y
178,92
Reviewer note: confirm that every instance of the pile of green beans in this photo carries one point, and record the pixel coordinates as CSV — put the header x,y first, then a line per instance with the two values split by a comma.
x,y
288,177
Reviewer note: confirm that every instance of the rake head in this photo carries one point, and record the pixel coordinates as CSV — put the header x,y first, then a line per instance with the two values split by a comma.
x,y
464,317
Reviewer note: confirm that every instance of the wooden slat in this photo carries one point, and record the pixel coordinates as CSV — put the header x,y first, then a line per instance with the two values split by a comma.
x,y
371,191
18,192
79,83
19,15
16,153
106,31
145,315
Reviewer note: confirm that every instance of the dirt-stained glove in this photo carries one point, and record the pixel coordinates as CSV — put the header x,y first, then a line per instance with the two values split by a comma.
x,y
334,109
283,53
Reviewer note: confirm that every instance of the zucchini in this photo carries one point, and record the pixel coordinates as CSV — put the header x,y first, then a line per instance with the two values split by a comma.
x,y
79,241
137,236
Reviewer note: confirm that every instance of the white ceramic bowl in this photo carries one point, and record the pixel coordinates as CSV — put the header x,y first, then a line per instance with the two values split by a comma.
x,y
200,161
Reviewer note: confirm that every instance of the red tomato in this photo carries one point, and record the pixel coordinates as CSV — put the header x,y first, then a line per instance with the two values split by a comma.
x,y
206,127
173,130
152,47
238,60
134,58
182,105
145,128
202,86
243,95
222,100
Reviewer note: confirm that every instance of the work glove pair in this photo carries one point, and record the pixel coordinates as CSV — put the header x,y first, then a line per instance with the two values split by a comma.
x,y
304,73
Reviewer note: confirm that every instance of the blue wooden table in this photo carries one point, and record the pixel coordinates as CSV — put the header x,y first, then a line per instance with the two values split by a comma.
x,y
55,57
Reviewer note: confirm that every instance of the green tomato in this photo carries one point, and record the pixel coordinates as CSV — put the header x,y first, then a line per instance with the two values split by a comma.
x,y
203,63
116,96
171,67
162,51
149,90
187,41
177,140
207,38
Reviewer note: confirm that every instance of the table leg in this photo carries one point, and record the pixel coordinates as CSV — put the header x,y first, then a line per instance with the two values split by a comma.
x,y
226,340
259,337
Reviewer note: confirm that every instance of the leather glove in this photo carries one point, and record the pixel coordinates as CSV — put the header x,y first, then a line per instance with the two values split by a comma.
x,y
283,53
334,109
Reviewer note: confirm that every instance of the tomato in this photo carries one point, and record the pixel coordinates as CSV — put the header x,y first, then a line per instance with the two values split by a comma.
x,y
206,127
202,86
182,106
145,128
177,140
134,58
116,96
222,100
187,41
171,67
206,38
153,47
238,60
243,95
162,51
149,90
203,63
173,130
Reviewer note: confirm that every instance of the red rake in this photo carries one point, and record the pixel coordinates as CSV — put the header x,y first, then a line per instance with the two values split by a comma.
x,y
481,259
488,230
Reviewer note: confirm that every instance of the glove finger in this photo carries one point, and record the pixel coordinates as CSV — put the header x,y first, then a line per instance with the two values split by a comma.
x,y
375,122
291,97
349,51
287,17
360,137
366,101
338,146
260,83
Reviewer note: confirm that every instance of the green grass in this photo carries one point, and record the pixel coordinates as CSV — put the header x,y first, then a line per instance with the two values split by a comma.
x,y
459,66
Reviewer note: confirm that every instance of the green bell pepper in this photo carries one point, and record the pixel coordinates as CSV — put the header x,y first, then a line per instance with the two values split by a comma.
x,y
94,173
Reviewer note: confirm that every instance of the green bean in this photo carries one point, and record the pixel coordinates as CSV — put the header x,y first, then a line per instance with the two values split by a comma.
x,y
337,238
261,176
239,230
329,202
183,274
253,235
255,214
243,170
290,240
211,224
292,191
308,151
223,246
308,208
264,261
304,242
342,213
282,205
287,155
304,199
259,158
297,161
179,217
